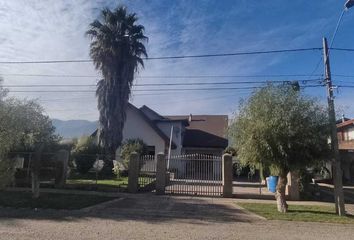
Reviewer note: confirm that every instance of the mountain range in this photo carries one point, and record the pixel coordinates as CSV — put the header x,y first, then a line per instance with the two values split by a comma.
x,y
74,128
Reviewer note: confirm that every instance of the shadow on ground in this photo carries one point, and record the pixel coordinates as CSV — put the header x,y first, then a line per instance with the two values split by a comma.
x,y
143,207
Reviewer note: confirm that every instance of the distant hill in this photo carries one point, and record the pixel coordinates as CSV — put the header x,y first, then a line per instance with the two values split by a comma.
x,y
74,128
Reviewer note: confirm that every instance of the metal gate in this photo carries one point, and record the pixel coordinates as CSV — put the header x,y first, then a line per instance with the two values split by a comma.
x,y
194,174
147,173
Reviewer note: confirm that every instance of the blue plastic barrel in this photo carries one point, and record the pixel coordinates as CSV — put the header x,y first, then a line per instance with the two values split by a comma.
x,y
272,183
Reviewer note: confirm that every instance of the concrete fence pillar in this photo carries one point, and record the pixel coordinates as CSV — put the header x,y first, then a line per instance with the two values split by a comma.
x,y
227,175
35,170
62,159
133,174
160,174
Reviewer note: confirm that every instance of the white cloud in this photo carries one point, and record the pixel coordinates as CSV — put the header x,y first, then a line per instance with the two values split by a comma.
x,y
40,30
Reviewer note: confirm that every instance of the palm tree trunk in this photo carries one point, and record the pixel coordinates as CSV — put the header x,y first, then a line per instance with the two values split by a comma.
x,y
280,193
107,169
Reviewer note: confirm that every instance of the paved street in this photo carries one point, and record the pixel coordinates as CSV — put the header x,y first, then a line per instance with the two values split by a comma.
x,y
152,217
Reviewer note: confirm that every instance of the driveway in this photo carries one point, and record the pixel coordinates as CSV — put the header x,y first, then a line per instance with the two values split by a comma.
x,y
145,216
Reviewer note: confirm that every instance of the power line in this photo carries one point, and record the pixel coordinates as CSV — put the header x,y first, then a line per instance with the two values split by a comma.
x,y
166,76
154,90
171,57
336,30
315,69
48,75
138,90
165,84
237,53
344,49
343,75
93,97
212,98
332,41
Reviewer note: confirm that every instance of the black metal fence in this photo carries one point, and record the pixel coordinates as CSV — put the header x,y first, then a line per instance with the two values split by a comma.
x,y
48,171
147,174
194,174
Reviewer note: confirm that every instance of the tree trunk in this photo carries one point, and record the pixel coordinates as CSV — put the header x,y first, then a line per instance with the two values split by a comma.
x,y
280,193
35,171
35,185
107,169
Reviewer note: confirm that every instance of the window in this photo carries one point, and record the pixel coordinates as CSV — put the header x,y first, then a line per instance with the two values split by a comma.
x,y
150,150
349,134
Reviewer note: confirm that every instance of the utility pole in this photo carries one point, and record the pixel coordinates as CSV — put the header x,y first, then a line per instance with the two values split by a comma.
x,y
337,171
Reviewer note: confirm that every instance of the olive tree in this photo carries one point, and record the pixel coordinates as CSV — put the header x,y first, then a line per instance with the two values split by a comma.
x,y
281,129
23,126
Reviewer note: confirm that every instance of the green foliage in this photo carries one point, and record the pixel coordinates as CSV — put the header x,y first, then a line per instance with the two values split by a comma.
x,y
128,147
237,168
85,154
281,129
305,178
7,172
230,150
117,171
303,213
31,126
23,125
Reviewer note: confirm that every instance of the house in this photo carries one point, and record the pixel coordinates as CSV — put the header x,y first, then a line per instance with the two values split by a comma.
x,y
203,134
345,133
191,134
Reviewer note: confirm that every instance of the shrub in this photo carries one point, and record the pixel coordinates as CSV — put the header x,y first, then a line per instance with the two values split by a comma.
x,y
117,170
84,154
7,172
128,147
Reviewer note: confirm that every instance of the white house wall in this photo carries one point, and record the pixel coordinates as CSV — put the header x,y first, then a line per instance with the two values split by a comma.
x,y
136,127
165,127
349,134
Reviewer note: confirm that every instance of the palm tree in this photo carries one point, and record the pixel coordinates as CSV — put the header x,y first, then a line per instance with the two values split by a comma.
x,y
117,49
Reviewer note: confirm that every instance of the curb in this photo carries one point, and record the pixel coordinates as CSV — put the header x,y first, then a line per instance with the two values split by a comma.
x,y
99,206
251,213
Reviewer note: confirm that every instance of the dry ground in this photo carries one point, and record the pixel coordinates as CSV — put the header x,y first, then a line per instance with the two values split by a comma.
x,y
145,216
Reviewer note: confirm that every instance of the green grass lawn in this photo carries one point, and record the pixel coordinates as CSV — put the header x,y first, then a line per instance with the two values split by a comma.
x,y
114,182
104,183
298,213
49,200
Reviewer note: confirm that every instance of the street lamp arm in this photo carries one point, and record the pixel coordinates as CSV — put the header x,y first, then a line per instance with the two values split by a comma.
x,y
349,4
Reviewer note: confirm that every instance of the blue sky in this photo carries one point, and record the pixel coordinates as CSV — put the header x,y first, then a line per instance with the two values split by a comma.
x,y
47,30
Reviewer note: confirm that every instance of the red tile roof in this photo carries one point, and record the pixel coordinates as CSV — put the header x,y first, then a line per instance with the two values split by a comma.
x,y
345,124
204,130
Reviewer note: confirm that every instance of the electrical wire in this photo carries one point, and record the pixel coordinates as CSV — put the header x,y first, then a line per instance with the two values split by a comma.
x,y
343,49
166,76
331,44
163,84
171,57
152,90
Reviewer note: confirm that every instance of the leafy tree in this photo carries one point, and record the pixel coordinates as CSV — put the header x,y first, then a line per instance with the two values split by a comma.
x,y
85,154
23,125
3,91
281,129
33,125
128,147
117,48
